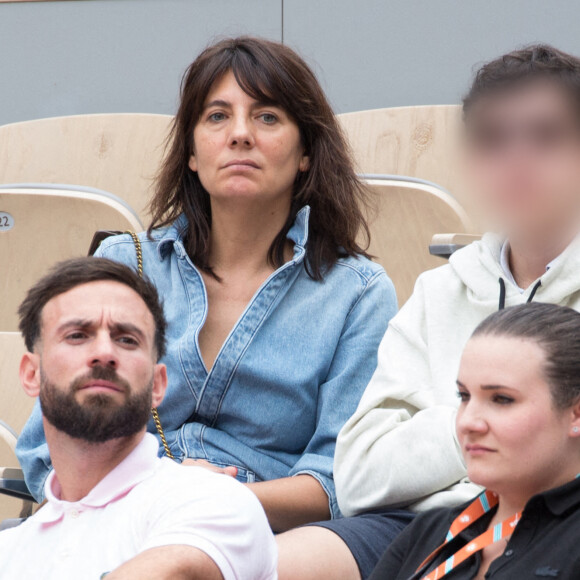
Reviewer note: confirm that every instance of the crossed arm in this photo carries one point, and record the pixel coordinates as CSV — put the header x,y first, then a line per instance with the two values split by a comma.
x,y
168,563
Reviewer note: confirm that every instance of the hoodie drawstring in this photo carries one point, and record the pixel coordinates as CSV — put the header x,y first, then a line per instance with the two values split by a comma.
x,y
502,293
534,290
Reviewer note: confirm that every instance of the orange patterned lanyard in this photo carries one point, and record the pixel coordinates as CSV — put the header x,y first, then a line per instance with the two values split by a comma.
x,y
482,504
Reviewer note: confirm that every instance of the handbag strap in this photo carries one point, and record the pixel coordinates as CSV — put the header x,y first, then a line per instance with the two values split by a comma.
x,y
154,411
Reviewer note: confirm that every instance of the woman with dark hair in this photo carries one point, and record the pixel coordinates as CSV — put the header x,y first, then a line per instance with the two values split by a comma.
x,y
275,311
518,427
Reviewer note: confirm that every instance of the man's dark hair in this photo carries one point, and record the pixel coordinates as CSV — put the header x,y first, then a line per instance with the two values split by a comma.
x,y
538,61
69,274
556,329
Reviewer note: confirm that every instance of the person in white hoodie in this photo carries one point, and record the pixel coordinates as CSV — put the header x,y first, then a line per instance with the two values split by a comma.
x,y
522,144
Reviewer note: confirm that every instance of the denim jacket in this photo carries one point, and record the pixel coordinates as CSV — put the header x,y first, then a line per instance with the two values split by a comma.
x,y
288,376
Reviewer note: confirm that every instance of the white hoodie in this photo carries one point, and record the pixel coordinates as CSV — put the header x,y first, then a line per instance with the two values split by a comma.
x,y
400,447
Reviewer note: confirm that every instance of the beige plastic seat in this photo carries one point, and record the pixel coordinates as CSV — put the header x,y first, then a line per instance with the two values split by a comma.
x,y
419,142
409,215
16,405
39,227
14,411
119,153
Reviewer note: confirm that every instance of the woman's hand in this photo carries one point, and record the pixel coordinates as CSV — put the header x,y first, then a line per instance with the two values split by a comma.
x,y
230,470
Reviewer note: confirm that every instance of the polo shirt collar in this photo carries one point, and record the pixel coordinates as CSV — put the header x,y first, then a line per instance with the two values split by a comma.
x,y
140,464
561,499
557,501
174,235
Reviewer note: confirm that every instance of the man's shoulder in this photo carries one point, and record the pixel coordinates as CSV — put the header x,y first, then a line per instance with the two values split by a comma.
x,y
206,481
473,259
213,512
190,484
196,498
11,538
435,291
438,277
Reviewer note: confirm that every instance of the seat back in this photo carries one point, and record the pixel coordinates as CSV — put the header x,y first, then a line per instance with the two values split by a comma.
x,y
16,405
14,411
39,227
418,142
120,153
409,214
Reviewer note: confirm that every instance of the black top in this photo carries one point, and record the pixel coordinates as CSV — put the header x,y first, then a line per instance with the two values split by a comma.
x,y
545,543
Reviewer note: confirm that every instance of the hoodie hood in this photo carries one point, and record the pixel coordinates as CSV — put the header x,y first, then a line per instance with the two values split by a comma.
x,y
478,266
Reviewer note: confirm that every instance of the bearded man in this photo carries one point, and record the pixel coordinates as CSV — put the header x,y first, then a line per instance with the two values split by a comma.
x,y
95,332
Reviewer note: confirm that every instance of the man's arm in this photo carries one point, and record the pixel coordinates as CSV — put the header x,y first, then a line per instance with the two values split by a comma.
x,y
400,444
292,501
288,502
215,523
168,563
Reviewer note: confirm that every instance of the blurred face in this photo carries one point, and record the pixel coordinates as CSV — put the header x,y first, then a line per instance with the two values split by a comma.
x,y
512,438
244,149
94,368
524,159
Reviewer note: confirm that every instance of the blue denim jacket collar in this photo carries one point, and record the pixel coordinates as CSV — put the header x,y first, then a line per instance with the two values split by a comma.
x,y
174,234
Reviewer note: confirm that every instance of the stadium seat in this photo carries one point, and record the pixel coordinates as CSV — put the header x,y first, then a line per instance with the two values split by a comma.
x,y
119,153
14,411
39,227
417,142
408,214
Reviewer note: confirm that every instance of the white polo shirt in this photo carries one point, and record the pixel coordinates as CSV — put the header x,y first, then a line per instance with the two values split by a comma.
x,y
145,502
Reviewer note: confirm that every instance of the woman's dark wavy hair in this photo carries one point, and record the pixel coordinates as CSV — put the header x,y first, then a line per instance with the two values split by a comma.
x,y
268,72
531,62
556,329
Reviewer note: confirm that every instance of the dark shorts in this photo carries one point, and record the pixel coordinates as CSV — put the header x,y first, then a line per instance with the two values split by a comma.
x,y
368,535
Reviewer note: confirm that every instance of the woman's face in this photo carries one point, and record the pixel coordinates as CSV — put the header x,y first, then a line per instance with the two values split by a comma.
x,y
511,436
246,150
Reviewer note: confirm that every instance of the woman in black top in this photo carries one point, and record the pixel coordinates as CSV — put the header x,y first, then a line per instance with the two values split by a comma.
x,y
518,426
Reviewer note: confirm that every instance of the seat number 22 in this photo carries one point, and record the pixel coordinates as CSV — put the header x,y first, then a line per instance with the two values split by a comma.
x,y
6,221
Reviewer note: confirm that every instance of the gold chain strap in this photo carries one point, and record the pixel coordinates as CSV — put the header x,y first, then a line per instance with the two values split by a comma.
x,y
154,411
138,251
157,422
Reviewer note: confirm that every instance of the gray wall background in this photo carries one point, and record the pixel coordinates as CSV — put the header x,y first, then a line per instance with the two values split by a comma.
x,y
98,56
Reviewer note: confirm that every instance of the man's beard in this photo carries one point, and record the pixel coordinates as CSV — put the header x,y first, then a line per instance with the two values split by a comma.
x,y
99,417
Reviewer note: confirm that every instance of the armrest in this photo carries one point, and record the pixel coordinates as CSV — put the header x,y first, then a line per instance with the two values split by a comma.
x,y
444,245
8,435
11,478
12,483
